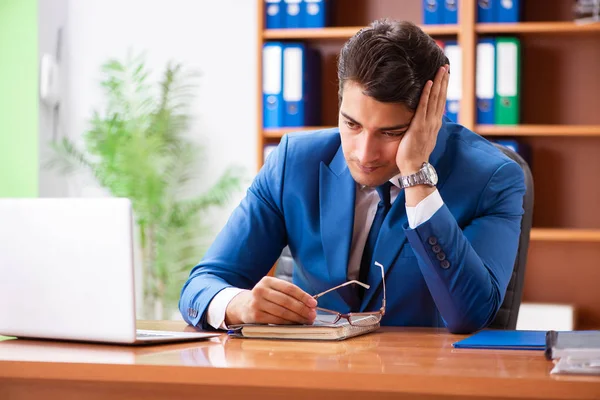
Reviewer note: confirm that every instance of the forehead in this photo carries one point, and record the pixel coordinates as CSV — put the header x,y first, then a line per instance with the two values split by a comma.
x,y
370,112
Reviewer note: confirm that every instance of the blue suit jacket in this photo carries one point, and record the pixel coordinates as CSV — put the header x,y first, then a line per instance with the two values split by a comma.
x,y
304,197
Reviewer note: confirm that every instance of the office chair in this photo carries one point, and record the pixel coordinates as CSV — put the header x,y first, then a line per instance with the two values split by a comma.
x,y
506,318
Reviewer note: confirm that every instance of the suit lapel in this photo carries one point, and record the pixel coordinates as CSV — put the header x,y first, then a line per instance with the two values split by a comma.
x,y
337,193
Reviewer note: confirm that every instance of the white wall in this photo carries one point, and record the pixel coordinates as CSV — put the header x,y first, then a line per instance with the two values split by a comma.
x,y
218,38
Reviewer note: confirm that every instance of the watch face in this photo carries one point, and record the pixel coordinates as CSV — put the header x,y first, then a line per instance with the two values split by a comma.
x,y
431,174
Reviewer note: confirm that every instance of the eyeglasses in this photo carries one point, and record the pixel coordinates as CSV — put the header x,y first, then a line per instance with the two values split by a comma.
x,y
359,318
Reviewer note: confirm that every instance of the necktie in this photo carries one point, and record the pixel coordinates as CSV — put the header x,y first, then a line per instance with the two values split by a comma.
x,y
382,209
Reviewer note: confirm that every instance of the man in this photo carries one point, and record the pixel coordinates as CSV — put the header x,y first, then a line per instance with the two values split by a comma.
x,y
447,243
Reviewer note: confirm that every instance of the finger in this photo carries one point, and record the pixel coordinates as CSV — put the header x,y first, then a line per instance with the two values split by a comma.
x,y
421,112
432,109
443,93
284,313
293,291
290,303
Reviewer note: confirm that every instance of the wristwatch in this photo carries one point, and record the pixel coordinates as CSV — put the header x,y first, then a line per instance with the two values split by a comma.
x,y
425,176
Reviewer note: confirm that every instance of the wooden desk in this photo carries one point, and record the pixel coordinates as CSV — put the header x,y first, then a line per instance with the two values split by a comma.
x,y
392,363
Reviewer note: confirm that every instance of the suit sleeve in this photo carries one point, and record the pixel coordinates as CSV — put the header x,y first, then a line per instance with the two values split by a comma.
x,y
246,248
467,271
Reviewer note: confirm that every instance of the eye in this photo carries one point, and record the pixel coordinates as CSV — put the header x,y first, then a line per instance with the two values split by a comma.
x,y
351,125
393,134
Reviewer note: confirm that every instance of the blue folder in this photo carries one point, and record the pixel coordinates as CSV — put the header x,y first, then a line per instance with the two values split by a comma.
x,y
504,340
301,85
274,14
485,82
315,13
433,12
508,11
273,84
486,11
450,13
293,16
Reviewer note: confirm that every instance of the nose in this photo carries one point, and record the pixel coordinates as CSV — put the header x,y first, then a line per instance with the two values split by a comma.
x,y
367,150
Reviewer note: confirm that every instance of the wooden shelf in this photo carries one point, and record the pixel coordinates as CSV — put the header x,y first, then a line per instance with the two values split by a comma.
x,y
344,32
277,133
483,130
538,27
538,130
565,235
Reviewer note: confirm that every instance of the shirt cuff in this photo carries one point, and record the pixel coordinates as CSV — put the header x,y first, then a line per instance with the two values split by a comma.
x,y
424,210
218,306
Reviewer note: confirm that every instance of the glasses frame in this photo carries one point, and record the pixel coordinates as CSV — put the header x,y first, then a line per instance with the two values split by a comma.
x,y
380,313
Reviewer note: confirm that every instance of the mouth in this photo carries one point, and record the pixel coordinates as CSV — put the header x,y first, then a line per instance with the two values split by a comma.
x,y
367,170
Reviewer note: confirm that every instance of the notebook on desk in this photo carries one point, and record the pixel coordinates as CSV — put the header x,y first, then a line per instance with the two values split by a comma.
x,y
575,344
504,340
320,330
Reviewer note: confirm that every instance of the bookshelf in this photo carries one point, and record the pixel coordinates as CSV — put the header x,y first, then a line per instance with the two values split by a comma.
x,y
560,121
538,130
343,32
558,28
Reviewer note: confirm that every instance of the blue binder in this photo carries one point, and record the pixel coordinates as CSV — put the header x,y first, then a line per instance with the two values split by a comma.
x,y
272,81
486,10
454,94
315,13
274,14
450,15
301,85
504,340
293,15
485,80
432,12
508,10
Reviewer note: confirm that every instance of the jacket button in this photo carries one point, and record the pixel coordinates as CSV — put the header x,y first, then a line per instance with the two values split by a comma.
x,y
445,264
432,240
441,256
436,249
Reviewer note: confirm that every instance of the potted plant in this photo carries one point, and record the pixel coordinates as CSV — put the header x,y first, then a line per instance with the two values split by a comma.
x,y
137,149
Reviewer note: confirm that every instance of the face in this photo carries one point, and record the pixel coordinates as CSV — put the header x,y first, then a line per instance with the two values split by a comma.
x,y
371,132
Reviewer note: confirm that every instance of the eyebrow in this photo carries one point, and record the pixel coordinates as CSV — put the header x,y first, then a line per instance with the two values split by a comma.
x,y
388,128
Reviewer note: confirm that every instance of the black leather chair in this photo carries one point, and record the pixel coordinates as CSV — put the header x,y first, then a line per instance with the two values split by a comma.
x,y
506,318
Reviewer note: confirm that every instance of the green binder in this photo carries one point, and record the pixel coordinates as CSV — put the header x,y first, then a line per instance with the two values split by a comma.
x,y
508,81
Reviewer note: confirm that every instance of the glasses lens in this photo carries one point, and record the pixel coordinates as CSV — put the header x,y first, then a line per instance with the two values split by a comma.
x,y
365,319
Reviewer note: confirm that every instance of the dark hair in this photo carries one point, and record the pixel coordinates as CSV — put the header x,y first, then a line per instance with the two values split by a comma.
x,y
391,60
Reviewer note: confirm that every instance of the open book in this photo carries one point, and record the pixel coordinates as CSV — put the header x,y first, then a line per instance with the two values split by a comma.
x,y
319,330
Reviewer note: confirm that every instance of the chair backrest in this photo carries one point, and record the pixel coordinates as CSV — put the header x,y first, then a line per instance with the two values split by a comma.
x,y
506,318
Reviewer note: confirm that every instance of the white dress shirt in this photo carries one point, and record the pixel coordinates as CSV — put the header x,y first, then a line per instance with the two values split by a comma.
x,y
364,212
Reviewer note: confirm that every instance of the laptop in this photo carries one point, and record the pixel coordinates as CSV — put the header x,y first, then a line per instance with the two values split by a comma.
x,y
67,272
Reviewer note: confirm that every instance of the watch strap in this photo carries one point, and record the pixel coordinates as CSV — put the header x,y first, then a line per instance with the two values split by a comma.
x,y
418,178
